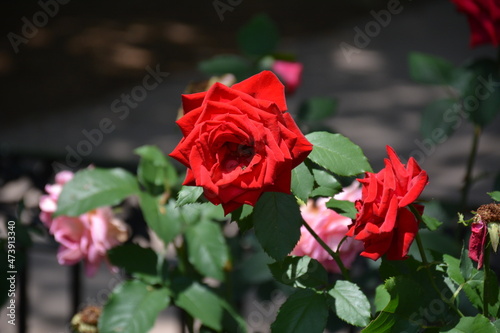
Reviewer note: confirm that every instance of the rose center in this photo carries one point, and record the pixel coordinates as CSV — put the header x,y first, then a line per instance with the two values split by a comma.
x,y
237,155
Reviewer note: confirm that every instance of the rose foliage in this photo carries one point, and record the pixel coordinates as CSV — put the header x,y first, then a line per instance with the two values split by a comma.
x,y
263,206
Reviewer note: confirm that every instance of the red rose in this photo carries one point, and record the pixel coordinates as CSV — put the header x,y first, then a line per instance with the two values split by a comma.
x,y
383,222
239,142
484,20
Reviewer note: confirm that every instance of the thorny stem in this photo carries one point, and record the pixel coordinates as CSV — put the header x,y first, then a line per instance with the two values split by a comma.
x,y
333,254
426,264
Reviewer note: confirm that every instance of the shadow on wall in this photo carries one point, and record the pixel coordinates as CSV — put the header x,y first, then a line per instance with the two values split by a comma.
x,y
60,53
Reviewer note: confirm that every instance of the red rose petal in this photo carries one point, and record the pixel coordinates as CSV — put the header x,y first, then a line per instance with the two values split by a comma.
x,y
265,86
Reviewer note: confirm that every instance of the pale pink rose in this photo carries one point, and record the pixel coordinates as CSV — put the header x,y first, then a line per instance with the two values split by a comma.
x,y
289,72
48,202
331,227
86,237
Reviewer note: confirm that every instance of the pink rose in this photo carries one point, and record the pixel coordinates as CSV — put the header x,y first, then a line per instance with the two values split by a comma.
x,y
331,227
289,72
86,237
48,203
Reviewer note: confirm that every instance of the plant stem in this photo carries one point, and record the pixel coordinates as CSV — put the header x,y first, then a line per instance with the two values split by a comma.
x,y
470,166
421,250
486,265
426,264
333,254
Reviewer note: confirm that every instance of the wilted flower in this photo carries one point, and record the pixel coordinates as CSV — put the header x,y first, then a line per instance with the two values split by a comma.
x,y
331,227
86,237
86,320
486,215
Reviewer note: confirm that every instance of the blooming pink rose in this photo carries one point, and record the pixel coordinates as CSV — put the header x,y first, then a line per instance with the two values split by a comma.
x,y
86,237
331,227
289,72
48,203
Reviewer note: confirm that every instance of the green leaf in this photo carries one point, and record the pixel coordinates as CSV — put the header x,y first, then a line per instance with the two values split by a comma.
x,y
300,272
430,69
337,154
164,220
408,313
92,188
382,298
328,185
239,320
133,307
431,223
482,98
253,269
207,249
495,195
188,195
258,37
435,124
302,182
392,268
303,311
473,289
134,259
494,232
496,323
477,324
226,63
384,322
277,223
492,293
453,269
436,244
243,216
201,303
317,109
386,319
466,267
343,207
351,304
155,172
461,78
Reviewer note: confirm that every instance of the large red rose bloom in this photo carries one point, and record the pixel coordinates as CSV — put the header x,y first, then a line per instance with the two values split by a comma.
x,y
239,141
484,20
384,223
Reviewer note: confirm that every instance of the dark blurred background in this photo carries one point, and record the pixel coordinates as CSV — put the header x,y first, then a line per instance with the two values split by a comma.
x,y
90,48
